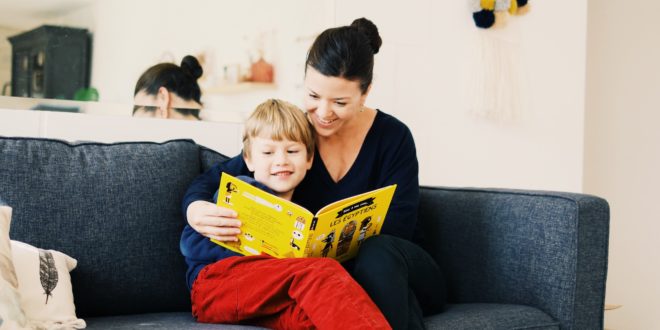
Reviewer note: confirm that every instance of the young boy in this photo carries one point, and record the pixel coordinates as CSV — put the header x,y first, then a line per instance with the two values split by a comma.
x,y
278,147
296,293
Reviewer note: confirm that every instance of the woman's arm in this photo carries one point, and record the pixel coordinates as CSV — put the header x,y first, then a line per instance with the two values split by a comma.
x,y
399,166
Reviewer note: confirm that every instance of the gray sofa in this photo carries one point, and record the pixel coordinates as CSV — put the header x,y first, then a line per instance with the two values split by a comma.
x,y
513,259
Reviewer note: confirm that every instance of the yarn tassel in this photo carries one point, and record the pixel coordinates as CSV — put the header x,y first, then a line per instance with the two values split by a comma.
x,y
495,91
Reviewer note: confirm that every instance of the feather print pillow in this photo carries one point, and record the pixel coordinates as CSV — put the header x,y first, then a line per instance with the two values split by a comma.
x,y
45,287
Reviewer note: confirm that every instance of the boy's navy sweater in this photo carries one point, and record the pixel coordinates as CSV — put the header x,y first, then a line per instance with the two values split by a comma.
x,y
387,156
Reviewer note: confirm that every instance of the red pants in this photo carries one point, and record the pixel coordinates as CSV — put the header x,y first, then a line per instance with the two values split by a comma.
x,y
296,293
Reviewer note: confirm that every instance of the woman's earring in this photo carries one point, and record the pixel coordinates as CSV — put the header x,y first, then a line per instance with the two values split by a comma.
x,y
362,108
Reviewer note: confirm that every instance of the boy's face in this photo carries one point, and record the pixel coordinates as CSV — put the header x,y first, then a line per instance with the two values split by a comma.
x,y
280,165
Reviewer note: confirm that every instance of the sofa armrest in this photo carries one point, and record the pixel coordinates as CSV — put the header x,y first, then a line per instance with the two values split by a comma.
x,y
536,248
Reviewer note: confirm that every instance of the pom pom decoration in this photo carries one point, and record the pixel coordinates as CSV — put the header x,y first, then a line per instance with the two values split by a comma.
x,y
523,7
484,18
494,13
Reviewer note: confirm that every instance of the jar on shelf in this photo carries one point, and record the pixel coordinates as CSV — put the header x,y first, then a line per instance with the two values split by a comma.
x,y
261,71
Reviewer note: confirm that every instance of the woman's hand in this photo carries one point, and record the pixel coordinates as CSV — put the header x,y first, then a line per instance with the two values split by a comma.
x,y
213,221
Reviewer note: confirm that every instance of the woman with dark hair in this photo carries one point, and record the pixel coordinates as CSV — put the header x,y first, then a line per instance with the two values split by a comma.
x,y
167,90
358,149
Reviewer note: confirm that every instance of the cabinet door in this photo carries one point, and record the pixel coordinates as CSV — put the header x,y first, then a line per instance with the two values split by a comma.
x,y
37,76
21,74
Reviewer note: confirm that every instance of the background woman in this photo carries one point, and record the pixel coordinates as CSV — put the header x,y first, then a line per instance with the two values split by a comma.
x,y
167,90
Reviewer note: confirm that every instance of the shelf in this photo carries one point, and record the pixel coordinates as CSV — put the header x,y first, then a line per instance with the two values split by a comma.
x,y
237,88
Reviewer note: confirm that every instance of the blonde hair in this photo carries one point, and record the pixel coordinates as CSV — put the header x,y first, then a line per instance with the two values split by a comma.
x,y
280,120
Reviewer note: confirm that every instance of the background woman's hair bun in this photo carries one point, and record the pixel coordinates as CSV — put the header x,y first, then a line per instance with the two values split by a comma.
x,y
369,29
191,65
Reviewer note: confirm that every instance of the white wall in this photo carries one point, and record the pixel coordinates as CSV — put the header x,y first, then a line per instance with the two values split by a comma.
x,y
130,36
422,77
422,73
622,152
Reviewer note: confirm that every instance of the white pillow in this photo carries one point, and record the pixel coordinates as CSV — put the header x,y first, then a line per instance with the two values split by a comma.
x,y
11,313
45,287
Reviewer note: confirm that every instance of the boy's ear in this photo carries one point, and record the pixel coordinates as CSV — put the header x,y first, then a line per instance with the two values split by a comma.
x,y
248,162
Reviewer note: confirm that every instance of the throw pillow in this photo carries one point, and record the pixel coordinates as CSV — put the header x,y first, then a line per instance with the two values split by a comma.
x,y
11,313
45,287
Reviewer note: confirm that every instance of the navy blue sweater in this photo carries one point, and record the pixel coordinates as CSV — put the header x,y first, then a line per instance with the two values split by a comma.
x,y
387,156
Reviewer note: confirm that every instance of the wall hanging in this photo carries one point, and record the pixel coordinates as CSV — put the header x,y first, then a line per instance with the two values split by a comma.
x,y
495,89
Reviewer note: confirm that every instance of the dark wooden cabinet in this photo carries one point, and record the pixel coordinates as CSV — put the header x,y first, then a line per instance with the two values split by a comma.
x,y
50,62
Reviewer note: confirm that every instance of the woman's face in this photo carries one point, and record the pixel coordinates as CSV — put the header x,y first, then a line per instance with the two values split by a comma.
x,y
331,102
162,105
146,105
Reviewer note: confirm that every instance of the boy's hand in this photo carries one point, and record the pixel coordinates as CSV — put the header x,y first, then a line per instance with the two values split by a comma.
x,y
213,221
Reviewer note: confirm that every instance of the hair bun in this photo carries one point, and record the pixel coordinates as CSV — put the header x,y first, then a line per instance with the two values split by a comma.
x,y
191,65
369,29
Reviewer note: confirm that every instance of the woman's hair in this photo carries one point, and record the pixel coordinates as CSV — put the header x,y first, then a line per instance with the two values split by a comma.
x,y
180,80
347,52
279,120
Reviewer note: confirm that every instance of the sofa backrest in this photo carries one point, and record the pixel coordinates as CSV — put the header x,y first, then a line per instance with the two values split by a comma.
x,y
116,208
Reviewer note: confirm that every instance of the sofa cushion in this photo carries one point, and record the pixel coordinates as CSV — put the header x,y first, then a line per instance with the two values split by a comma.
x,y
116,208
164,321
491,316
209,157
45,287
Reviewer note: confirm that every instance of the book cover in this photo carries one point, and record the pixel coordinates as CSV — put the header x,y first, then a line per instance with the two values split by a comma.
x,y
280,228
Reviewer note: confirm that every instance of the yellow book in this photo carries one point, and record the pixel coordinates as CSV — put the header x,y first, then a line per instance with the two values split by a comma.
x,y
280,228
